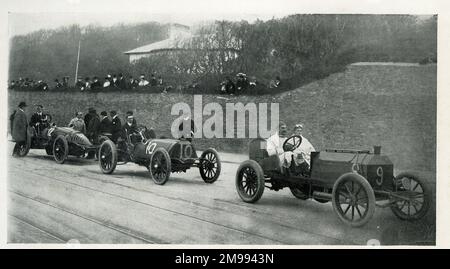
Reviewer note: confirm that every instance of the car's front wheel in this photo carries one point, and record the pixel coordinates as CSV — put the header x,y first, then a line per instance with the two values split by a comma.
x,y
60,149
353,199
414,197
107,156
160,166
210,165
250,181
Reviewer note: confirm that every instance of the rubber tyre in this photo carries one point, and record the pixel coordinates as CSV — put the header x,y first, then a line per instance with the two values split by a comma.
x,y
338,191
210,157
60,149
427,196
107,157
254,173
160,166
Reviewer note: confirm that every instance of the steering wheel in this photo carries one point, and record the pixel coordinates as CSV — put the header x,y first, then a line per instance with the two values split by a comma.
x,y
292,143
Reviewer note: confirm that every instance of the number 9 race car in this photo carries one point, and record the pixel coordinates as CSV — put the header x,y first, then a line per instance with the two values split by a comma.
x,y
355,181
159,156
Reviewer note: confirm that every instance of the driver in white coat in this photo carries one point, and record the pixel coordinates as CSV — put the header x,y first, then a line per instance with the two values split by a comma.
x,y
301,155
275,146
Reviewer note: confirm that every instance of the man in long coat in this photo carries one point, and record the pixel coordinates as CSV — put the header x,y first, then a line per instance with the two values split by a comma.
x,y
116,126
19,129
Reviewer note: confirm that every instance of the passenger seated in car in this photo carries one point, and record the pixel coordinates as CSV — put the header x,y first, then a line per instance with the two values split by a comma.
x,y
305,147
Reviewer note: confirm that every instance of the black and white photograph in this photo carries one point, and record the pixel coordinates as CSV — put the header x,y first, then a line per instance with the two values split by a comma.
x,y
267,127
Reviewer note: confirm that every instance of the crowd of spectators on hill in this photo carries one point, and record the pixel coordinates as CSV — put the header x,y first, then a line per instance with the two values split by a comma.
x,y
230,85
114,81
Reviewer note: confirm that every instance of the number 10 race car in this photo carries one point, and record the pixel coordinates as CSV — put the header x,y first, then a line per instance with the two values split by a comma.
x,y
159,156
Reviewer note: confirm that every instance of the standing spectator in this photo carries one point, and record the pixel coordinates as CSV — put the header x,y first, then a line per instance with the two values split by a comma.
x,y
96,84
19,129
78,123
153,81
88,116
121,84
58,85
80,84
105,124
66,82
275,83
116,126
160,81
228,86
143,82
41,86
242,82
12,85
130,83
130,113
92,128
114,81
87,83
107,83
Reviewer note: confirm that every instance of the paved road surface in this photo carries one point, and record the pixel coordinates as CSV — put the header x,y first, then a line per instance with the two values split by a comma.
x,y
51,203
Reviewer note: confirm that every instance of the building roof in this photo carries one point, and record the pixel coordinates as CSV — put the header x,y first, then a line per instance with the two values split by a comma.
x,y
179,36
178,42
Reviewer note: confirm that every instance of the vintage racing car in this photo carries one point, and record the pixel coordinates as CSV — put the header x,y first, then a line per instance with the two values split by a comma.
x,y
159,156
354,180
60,142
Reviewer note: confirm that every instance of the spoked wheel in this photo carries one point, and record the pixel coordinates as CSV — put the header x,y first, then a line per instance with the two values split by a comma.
x,y
25,148
250,181
415,197
210,165
107,157
160,166
353,199
298,193
60,149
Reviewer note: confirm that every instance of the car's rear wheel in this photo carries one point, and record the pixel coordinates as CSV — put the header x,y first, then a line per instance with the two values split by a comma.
x,y
25,148
353,199
160,166
416,197
298,193
60,149
107,157
210,165
250,181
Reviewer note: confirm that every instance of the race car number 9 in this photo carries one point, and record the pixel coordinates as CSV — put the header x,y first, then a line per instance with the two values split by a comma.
x,y
380,174
150,148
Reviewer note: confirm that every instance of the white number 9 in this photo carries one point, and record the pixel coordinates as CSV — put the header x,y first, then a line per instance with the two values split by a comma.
x,y
380,174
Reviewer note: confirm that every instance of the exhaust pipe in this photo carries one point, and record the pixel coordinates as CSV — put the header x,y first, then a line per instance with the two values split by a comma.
x,y
322,195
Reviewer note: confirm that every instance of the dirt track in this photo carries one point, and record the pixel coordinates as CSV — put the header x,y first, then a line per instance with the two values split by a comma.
x,y
51,203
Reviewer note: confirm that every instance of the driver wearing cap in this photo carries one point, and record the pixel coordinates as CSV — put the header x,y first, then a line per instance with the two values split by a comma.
x,y
305,147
